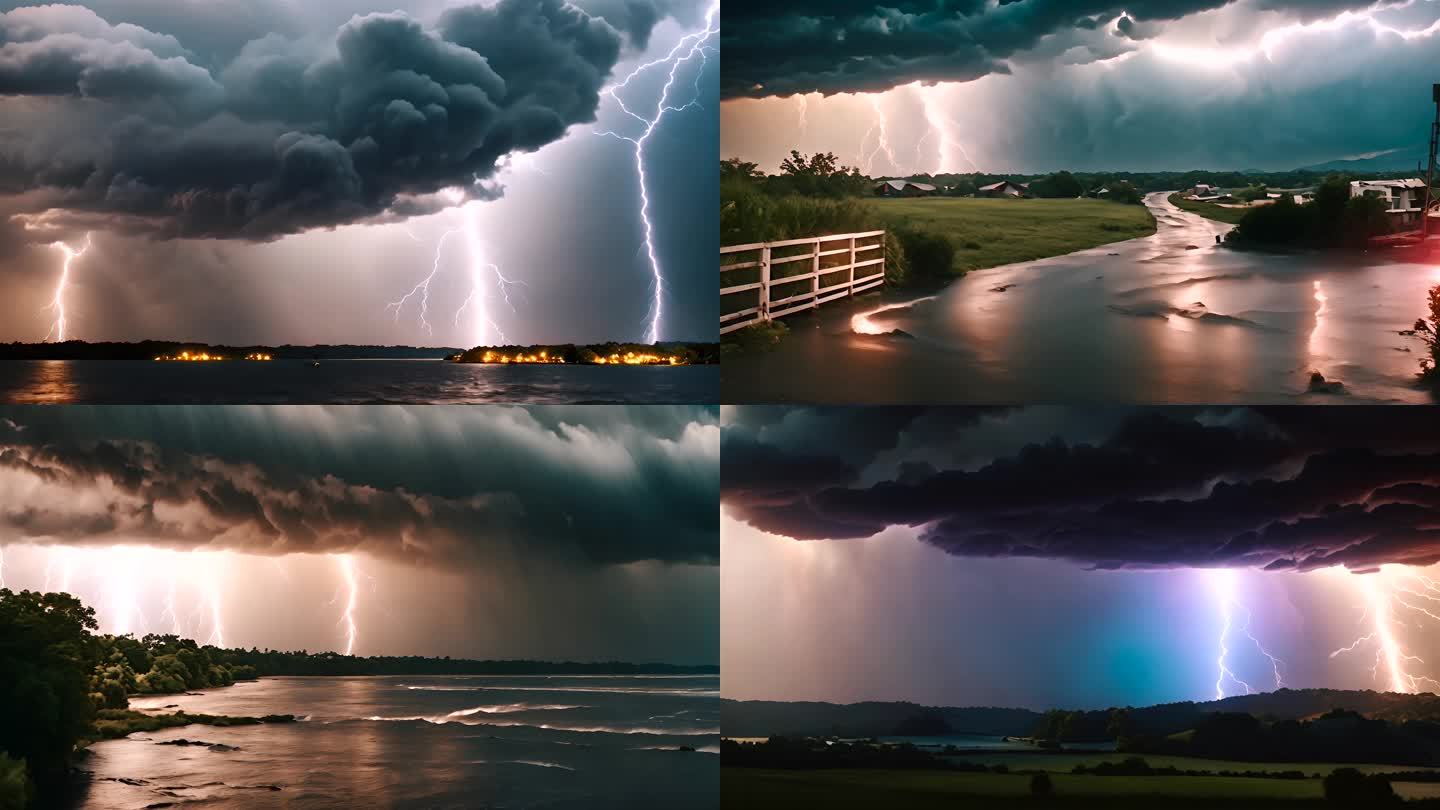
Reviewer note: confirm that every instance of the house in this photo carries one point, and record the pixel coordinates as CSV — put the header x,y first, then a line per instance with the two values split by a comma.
x,y
1098,192
1004,188
1205,190
903,188
1403,198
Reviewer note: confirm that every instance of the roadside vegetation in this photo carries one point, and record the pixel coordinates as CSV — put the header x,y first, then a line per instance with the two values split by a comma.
x,y
1428,330
928,241
1333,219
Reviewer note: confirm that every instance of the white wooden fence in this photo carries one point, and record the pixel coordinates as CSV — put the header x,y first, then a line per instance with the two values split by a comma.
x,y
777,294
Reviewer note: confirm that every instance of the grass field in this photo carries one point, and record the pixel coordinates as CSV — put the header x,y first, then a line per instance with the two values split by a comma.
x,y
1064,763
992,232
1219,213
844,789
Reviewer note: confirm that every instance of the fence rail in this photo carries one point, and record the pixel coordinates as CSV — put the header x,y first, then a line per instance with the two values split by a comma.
x,y
775,285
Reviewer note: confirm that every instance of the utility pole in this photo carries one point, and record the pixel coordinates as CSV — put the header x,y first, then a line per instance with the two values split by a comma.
x,y
1430,172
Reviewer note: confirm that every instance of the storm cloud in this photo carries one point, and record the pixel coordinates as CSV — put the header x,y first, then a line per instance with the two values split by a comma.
x,y
447,487
291,130
1155,488
806,46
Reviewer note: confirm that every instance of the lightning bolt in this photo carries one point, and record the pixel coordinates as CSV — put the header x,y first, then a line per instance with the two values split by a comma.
x,y
57,304
942,125
803,102
882,141
687,49
1223,581
347,570
481,272
1380,595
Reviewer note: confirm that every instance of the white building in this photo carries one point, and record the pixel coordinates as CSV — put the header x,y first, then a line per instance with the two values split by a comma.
x,y
1403,198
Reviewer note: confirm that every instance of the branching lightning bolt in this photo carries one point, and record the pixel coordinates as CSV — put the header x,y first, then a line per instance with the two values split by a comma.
x,y
690,47
1223,581
882,141
57,304
347,570
477,300
1381,595
941,124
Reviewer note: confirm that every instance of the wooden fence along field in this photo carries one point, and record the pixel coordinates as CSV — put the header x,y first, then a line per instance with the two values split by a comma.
x,y
769,280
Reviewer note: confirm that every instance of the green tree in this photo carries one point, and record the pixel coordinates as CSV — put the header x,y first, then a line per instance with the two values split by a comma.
x,y
47,655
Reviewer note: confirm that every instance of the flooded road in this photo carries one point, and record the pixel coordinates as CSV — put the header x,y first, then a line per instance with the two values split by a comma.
x,y
1171,317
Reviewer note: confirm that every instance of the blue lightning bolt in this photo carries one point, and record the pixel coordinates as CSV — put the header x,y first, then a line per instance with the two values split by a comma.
x,y
1223,582
688,48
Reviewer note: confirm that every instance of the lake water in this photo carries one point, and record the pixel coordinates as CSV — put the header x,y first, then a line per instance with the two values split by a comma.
x,y
1169,318
432,742
347,381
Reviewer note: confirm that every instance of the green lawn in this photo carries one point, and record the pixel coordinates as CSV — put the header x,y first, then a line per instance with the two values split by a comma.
x,y
992,232
1219,213
1064,763
842,789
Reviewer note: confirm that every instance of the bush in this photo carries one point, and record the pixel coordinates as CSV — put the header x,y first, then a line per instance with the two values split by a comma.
x,y
1351,788
930,255
897,266
1041,786
1429,331
15,789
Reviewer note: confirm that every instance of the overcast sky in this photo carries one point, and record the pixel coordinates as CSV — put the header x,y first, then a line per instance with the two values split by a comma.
x,y
1083,558
488,532
279,171
1042,85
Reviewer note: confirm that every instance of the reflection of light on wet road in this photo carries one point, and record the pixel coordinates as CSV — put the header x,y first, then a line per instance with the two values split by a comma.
x,y
1320,307
861,324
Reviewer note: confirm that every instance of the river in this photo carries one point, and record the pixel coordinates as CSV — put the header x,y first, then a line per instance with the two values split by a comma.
x,y
1168,318
347,382
431,742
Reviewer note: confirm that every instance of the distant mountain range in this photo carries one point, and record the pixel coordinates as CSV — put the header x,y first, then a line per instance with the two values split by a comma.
x,y
1397,160
757,718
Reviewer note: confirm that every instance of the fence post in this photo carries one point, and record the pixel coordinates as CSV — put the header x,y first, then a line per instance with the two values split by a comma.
x,y
882,258
850,289
815,277
765,283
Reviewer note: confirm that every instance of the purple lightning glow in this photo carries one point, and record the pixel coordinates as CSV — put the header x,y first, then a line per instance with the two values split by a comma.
x,y
688,48
1224,582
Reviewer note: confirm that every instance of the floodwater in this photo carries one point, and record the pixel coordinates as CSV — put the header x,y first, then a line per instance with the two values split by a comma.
x,y
1168,318
347,381
431,742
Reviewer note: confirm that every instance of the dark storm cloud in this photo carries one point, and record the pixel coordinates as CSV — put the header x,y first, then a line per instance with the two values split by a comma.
x,y
289,132
1281,488
803,46
597,486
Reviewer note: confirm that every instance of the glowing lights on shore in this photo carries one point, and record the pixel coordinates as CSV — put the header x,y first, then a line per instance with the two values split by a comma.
x,y
633,359
542,358
205,357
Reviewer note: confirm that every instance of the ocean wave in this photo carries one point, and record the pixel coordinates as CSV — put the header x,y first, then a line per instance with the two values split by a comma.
x,y
511,708
621,690
442,719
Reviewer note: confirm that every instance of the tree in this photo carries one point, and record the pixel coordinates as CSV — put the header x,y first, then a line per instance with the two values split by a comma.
x,y
1351,788
1041,787
47,655
1363,218
817,175
1430,333
1061,184
1119,726
1124,192
735,168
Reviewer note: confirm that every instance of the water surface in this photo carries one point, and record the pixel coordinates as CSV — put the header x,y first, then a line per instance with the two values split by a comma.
x,y
433,742
1171,317
346,381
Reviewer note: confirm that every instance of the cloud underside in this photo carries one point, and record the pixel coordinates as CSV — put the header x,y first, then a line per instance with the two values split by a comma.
x,y
117,126
1163,490
859,46
530,489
